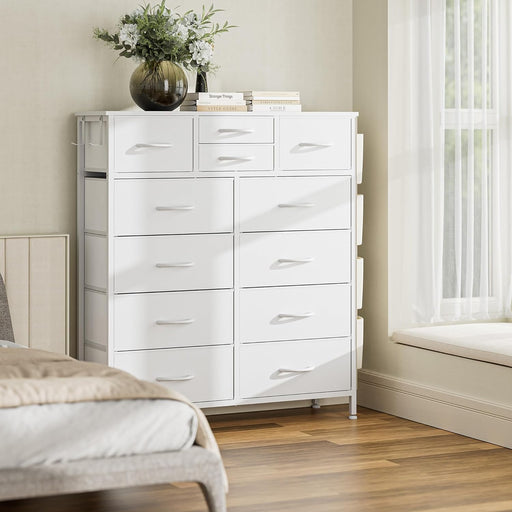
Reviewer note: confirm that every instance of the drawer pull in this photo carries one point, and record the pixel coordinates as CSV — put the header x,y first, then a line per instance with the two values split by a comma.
x,y
177,207
174,379
234,130
235,158
296,205
175,322
296,370
309,314
295,260
175,265
160,145
314,145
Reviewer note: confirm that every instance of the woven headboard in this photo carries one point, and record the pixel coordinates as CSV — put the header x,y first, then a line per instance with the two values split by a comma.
x,y
6,332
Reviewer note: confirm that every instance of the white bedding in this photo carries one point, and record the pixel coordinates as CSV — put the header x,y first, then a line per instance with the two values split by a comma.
x,y
44,434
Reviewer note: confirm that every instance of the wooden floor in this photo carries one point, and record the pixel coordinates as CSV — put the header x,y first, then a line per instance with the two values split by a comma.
x,y
319,461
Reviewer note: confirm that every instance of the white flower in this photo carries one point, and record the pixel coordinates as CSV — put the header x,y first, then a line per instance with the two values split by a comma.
x,y
181,32
202,52
138,12
129,34
199,32
190,18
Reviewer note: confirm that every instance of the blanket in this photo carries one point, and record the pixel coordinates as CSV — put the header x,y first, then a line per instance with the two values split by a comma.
x,y
34,377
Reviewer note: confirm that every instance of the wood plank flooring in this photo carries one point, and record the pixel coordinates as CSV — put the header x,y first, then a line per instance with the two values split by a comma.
x,y
302,460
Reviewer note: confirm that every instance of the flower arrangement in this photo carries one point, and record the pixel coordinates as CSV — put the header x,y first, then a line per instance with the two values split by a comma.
x,y
157,34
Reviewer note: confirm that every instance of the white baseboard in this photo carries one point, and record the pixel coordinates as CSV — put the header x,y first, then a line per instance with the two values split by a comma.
x,y
487,421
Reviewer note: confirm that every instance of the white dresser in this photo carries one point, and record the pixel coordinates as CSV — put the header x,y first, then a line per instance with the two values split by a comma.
x,y
217,252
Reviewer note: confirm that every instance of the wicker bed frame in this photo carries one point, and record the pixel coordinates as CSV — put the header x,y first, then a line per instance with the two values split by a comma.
x,y
194,464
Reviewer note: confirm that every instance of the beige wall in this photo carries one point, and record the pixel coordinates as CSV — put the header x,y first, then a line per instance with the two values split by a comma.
x,y
52,67
370,59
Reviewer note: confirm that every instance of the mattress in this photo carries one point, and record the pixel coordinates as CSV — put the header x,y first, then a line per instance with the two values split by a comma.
x,y
62,432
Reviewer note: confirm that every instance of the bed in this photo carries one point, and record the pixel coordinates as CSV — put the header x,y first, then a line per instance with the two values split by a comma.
x,y
60,421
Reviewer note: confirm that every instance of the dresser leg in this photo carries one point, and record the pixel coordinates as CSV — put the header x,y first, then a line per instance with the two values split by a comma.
x,y
352,407
315,404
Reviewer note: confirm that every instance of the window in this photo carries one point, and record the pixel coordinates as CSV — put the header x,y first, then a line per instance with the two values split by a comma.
x,y
470,123
449,160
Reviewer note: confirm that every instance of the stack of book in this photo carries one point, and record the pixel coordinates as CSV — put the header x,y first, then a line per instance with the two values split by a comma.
x,y
214,102
265,101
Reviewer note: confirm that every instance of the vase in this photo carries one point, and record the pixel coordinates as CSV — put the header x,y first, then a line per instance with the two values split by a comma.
x,y
158,85
201,82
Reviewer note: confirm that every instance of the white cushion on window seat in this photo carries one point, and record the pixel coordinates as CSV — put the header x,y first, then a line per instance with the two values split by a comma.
x,y
490,342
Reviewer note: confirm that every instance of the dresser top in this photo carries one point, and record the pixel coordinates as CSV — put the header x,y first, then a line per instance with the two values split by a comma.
x,y
191,113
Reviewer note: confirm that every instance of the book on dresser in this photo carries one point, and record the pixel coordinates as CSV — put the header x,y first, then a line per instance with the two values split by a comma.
x,y
217,256
274,107
221,107
273,101
271,95
214,102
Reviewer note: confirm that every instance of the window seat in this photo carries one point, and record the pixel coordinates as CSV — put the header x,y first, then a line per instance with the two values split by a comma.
x,y
489,342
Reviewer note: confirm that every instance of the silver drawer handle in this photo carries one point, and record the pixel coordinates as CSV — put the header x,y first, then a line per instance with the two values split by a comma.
x,y
296,205
177,265
295,260
94,144
234,130
153,145
177,207
314,145
175,322
174,379
309,314
296,370
235,158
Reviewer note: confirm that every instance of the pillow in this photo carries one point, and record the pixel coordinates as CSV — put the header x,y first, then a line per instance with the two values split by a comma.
x,y
9,344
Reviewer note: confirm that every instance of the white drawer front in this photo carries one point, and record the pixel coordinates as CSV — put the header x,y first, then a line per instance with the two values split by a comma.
x,y
298,312
168,206
179,262
315,143
202,374
178,319
95,136
314,366
96,206
153,143
236,157
306,257
282,204
95,262
235,129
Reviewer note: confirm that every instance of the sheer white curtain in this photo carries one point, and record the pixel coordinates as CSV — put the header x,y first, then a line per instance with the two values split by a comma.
x,y
449,145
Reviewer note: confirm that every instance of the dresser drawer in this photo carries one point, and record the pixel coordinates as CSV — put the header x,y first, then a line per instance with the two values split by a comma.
x,y
282,204
153,143
236,129
297,312
305,257
178,262
178,319
202,374
236,157
168,206
295,367
315,143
